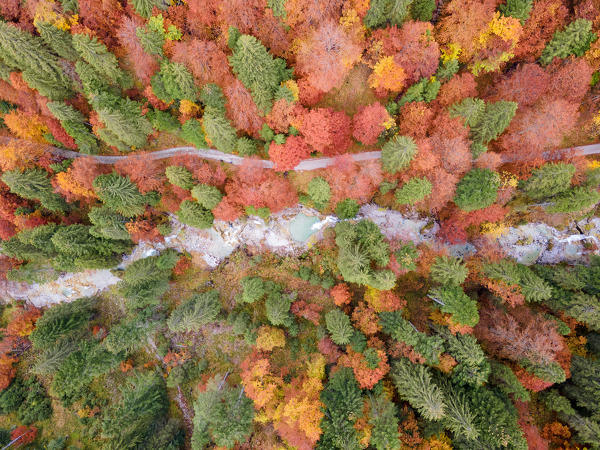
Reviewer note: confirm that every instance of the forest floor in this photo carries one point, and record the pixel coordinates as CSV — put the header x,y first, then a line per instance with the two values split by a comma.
x,y
529,243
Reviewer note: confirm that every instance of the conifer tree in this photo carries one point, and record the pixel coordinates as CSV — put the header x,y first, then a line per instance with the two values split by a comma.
x,y
504,379
199,310
219,131
34,184
473,366
422,10
223,415
107,224
193,214
397,153
478,189
129,335
74,124
180,176
380,12
459,419
208,196
575,39
120,194
448,270
347,208
177,82
191,131
575,199
144,7
277,306
454,301
382,417
494,120
257,69
413,191
548,180
519,9
319,192
338,325
60,41
470,109
95,53
414,384
253,289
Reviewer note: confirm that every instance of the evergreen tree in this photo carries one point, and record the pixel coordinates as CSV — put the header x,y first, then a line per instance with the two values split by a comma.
x,y
120,194
192,132
584,385
473,366
144,7
74,124
493,121
253,289
470,109
92,82
34,184
426,90
180,176
575,199
382,417
422,10
95,53
347,208
478,189
246,146
60,41
381,12
319,192
107,224
519,9
414,384
413,191
575,39
338,325
214,100
129,335
454,301
223,415
125,126
397,153
208,196
459,419
219,131
199,310
52,357
41,69
277,306
177,81
257,69
447,70
193,214
504,379
548,180
448,270
165,121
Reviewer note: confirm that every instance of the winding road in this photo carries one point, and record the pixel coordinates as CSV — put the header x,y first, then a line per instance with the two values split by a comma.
x,y
216,155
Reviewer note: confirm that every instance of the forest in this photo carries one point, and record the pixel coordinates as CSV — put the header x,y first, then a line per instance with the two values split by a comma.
x,y
360,340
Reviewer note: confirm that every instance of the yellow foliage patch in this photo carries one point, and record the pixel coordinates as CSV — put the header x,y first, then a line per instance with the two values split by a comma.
x,y
269,337
387,75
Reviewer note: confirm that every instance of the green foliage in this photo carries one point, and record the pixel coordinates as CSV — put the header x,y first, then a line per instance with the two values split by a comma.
x,y
129,335
277,306
263,212
92,82
519,9
382,416
473,366
478,189
459,418
60,41
400,329
61,321
406,256
223,415
193,214
426,90
338,325
253,289
144,7
208,196
120,194
50,359
246,146
258,70
214,100
183,373
422,10
343,406
470,109
448,270
28,399
548,180
551,372
180,176
382,12
397,153
129,423
34,184
95,53
584,385
319,192
347,208
492,122
41,69
454,301
219,131
177,81
533,287
504,378
74,124
414,385
361,247
575,199
575,39
447,70
107,224
192,132
413,191
196,312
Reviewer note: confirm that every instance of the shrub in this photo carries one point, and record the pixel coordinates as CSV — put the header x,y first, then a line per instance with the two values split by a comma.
x,y
397,153
478,189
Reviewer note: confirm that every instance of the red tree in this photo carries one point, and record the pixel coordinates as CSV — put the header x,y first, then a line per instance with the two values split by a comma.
x,y
570,79
459,87
525,85
25,434
205,60
143,64
325,130
369,122
146,172
287,156
415,119
242,110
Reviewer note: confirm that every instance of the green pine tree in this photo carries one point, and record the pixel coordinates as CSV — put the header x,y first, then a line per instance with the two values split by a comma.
x,y
144,7
208,196
193,214
448,270
397,153
107,224
177,81
338,325
196,312
478,189
34,184
453,300
575,199
575,39
120,194
413,191
192,132
219,131
253,289
74,124
548,180
180,176
383,419
95,53
422,10
319,192
519,9
60,41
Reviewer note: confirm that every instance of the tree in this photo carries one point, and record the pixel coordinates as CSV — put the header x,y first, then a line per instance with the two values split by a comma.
x,y
413,191
277,306
384,434
548,180
254,289
199,310
422,10
448,270
223,415
338,325
177,81
575,199
478,189
242,110
369,122
144,7
208,196
319,192
193,214
454,301
519,9
74,124
414,384
473,367
397,153
383,11
575,39
492,122
325,130
347,208
288,155
180,176
104,62
120,194
33,184
219,131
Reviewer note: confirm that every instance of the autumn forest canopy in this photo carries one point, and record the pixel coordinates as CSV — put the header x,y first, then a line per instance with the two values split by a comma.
x,y
367,338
